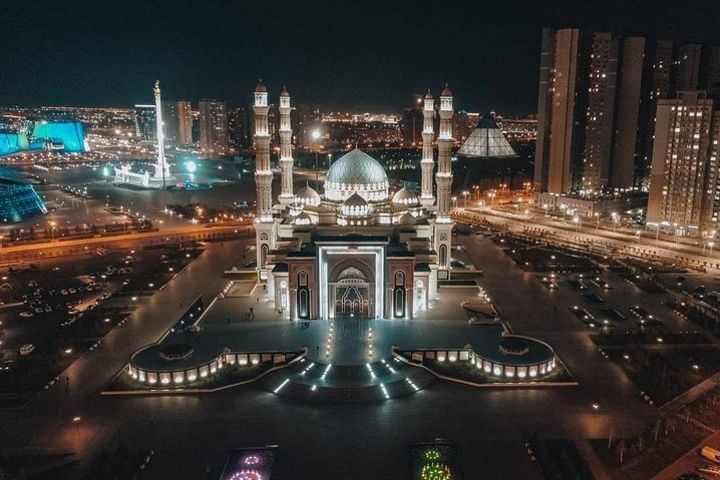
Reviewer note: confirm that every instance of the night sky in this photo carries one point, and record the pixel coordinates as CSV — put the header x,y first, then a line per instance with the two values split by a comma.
x,y
361,55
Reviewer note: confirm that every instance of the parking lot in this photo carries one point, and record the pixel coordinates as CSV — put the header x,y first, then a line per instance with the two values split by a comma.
x,y
52,313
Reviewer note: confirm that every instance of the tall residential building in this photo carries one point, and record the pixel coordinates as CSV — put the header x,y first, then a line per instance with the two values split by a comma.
x,y
145,122
596,105
562,104
171,122
240,128
684,174
602,79
213,128
630,108
185,121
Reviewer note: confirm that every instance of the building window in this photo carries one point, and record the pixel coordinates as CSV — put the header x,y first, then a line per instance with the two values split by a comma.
x,y
399,301
264,250
443,255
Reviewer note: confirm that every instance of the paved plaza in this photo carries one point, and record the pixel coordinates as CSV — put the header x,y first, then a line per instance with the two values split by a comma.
x,y
191,434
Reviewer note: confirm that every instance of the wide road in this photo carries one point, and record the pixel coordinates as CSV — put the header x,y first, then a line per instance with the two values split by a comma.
x,y
579,234
46,250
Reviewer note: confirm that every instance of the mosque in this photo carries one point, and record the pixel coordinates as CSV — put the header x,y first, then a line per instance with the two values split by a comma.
x,y
354,249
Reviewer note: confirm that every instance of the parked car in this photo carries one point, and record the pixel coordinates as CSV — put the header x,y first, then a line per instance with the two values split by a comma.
x,y
6,366
27,349
711,454
713,470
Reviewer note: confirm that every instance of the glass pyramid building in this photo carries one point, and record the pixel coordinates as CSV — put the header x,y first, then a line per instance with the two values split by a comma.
x,y
486,141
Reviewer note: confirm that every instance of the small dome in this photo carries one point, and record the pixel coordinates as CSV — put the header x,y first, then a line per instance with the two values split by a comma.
x,y
446,91
355,206
428,95
284,92
260,87
355,200
406,219
302,219
308,196
405,197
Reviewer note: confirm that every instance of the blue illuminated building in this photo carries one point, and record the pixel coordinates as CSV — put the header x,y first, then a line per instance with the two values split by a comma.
x,y
66,136
61,136
11,142
18,201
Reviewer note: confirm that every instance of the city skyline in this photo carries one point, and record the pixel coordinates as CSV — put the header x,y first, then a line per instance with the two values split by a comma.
x,y
198,53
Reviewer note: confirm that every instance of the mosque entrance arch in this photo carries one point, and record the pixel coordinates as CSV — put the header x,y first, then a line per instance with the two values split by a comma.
x,y
351,292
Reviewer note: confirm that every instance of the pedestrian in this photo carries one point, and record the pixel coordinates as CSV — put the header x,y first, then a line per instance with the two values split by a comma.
x,y
228,320
317,350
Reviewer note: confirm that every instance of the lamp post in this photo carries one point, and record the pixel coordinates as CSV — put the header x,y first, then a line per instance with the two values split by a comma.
x,y
465,194
597,217
316,136
52,229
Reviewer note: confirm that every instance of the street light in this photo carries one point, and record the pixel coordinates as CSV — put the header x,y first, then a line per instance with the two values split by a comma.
x,y
465,194
315,135
492,194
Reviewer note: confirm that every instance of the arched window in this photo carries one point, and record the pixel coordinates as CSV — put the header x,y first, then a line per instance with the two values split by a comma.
x,y
443,256
283,294
399,302
263,236
303,296
264,250
303,303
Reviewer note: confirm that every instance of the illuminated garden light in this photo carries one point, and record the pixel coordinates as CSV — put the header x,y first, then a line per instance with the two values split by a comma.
x,y
191,166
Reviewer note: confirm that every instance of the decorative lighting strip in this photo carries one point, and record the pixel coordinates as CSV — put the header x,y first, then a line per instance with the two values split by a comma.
x,y
384,390
281,386
307,369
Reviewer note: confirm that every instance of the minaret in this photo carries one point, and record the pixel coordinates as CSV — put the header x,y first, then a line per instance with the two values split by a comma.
x,y
161,168
263,173
444,176
286,159
427,163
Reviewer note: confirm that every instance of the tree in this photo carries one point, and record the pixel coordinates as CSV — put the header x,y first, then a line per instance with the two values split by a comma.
x,y
658,424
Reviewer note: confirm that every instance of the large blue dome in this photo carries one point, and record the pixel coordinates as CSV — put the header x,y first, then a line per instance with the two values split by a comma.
x,y
356,172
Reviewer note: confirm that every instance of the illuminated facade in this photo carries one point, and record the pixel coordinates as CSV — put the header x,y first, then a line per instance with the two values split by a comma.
x,y
356,249
19,201
684,189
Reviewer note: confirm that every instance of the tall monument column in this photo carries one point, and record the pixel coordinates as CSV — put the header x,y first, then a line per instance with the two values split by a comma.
x,y
286,159
444,176
161,168
442,238
263,173
427,163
